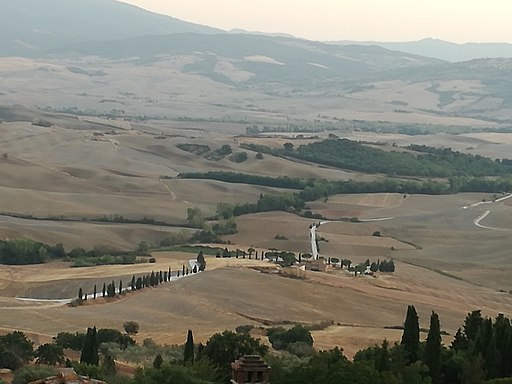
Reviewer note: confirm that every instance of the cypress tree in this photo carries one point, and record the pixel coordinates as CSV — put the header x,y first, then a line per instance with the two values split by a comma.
x,y
80,293
201,261
183,271
132,283
157,363
94,292
95,358
459,342
506,354
188,354
485,343
502,327
433,349
85,356
89,353
120,286
472,324
411,335
104,289
169,273
383,362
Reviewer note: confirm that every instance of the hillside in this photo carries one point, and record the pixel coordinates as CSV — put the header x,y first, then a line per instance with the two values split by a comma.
x,y
444,50
33,27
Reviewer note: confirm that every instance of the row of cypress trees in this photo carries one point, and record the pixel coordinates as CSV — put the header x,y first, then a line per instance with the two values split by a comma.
x,y
137,283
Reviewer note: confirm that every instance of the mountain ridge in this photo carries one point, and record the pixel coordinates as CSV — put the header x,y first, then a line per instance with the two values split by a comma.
x,y
30,28
441,49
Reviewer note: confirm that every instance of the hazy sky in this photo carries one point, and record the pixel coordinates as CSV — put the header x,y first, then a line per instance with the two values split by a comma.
x,y
382,20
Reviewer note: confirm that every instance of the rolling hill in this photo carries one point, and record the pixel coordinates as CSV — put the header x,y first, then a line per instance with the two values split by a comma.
x,y
30,28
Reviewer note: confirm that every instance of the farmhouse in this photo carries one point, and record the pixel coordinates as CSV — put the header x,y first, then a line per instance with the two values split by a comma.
x,y
316,265
250,369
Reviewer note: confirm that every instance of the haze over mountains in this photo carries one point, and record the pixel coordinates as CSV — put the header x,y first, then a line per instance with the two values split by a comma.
x,y
444,50
33,28
100,51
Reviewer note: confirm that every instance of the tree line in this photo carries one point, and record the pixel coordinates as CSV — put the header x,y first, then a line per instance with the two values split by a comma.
x,y
320,188
426,162
480,353
137,283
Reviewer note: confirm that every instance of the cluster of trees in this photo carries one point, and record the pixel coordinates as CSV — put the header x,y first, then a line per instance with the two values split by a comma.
x,y
296,340
20,252
480,353
210,233
198,149
25,251
15,350
347,154
487,343
381,266
238,157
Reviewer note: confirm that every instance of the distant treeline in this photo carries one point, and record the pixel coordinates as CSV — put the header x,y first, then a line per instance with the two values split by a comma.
x,y
20,252
428,162
411,129
244,178
24,251
311,190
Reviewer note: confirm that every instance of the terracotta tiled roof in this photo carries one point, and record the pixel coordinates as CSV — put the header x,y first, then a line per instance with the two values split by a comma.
x,y
67,376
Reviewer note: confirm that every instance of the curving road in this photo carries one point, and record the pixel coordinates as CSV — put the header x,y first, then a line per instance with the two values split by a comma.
x,y
477,220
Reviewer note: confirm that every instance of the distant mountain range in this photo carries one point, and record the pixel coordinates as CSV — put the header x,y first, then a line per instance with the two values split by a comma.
x,y
444,50
87,40
35,28
31,28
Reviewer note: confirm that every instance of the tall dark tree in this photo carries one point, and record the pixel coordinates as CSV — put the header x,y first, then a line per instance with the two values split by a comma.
x,y
503,330
485,344
201,261
188,354
383,362
89,353
104,290
80,294
120,286
132,283
411,335
158,361
94,292
433,349
459,343
472,324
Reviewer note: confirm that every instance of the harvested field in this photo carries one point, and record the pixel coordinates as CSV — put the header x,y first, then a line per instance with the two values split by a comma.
x,y
206,303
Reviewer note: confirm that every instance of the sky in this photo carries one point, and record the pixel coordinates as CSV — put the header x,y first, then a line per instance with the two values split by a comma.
x,y
458,21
